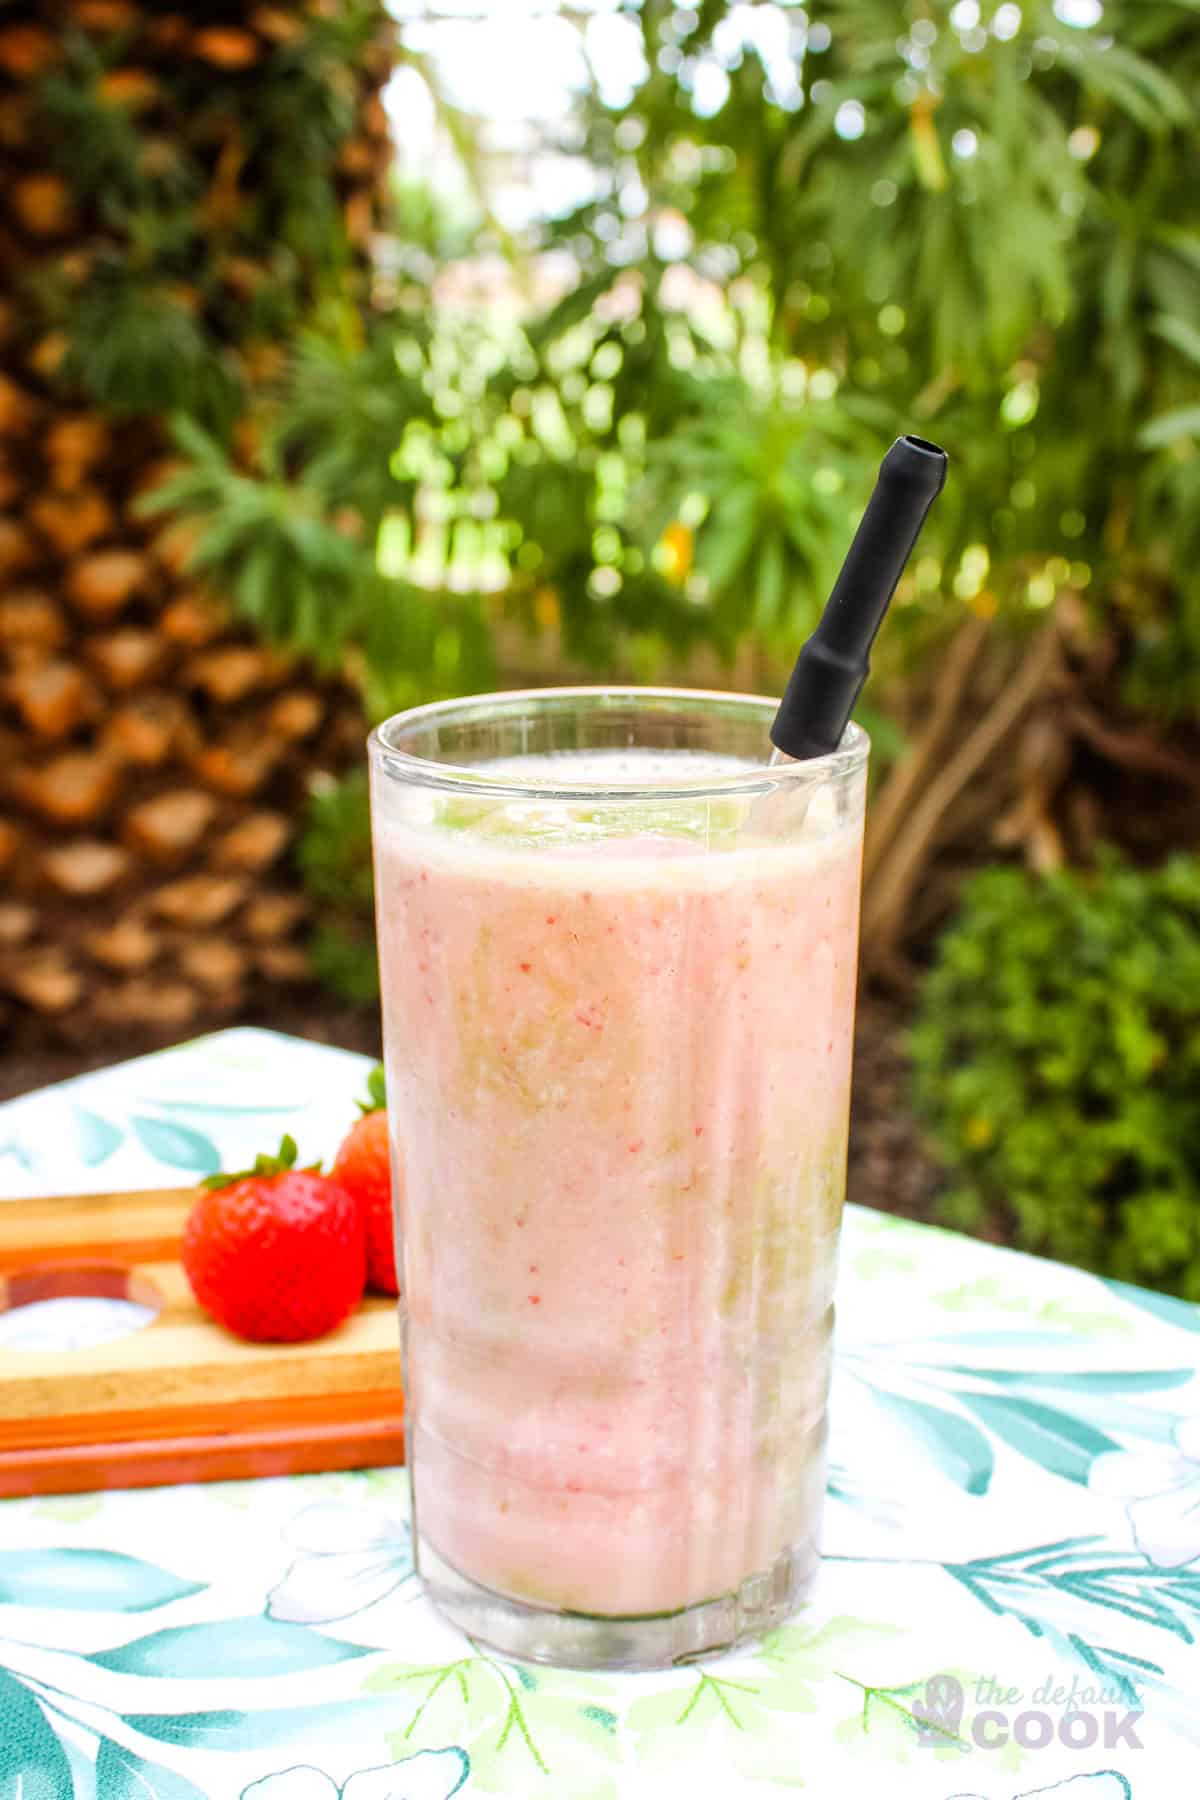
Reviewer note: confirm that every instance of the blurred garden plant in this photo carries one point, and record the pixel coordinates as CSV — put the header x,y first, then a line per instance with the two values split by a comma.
x,y
807,229
1057,1058
978,218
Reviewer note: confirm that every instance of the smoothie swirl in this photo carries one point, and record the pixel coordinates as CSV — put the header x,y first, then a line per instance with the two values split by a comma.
x,y
619,1044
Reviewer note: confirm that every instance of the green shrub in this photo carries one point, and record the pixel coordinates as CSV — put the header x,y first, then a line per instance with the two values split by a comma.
x,y
334,854
1057,1066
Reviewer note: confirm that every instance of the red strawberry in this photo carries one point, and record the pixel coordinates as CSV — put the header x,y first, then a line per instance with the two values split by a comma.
x,y
276,1254
363,1166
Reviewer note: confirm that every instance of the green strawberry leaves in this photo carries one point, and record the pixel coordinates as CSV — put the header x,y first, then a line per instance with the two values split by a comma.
x,y
376,1100
265,1167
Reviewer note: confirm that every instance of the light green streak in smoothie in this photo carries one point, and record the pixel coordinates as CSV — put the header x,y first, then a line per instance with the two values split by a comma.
x,y
799,1212
536,824
548,1039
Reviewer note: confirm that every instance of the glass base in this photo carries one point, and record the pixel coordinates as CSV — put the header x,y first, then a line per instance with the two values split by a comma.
x,y
647,1641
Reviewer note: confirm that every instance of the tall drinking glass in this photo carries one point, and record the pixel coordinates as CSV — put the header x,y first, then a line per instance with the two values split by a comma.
x,y
618,963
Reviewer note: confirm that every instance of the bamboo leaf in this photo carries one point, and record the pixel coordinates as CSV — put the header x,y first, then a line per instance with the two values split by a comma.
x,y
1170,428
1180,333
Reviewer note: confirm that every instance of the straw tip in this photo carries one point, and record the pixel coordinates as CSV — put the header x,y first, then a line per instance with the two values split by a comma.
x,y
922,446
917,461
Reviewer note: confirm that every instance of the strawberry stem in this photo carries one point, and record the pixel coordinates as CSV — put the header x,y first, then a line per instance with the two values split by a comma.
x,y
264,1166
376,1100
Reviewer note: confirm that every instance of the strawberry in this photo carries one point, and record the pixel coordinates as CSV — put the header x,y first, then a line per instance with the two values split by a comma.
x,y
276,1254
363,1166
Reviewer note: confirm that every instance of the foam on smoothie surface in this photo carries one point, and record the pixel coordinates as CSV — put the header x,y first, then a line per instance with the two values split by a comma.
x,y
679,817
619,768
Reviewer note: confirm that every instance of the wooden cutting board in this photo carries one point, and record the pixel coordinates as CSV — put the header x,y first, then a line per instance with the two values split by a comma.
x,y
180,1400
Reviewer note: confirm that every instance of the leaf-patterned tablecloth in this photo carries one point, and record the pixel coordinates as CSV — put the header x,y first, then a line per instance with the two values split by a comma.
x,y
1012,1551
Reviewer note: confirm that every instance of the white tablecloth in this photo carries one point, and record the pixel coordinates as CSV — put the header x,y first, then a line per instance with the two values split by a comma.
x,y
1009,1603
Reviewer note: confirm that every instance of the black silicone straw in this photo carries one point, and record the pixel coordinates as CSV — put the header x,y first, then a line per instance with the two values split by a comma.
x,y
833,665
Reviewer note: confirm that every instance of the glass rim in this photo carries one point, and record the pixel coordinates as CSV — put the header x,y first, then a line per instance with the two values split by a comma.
x,y
405,765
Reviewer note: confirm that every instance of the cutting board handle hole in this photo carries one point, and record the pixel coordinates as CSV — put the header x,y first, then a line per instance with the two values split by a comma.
x,y
74,1306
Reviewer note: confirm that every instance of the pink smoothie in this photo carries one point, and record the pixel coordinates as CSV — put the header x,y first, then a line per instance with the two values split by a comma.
x,y
619,1077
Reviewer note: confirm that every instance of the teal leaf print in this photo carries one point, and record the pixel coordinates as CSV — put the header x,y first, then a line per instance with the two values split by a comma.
x,y
1129,1677
179,1146
301,1782
285,1727
247,1647
1058,1443
1080,1584
1109,1414
120,1775
96,1138
872,1497
88,1581
957,1447
1096,1395
1087,1381
1164,1306
32,1763
19,1152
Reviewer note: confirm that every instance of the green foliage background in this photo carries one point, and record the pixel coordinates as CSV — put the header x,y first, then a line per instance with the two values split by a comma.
x,y
809,229
980,222
1057,1057
977,221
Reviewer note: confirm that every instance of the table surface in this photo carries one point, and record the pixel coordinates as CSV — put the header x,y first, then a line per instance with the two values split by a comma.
x,y
1012,1550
